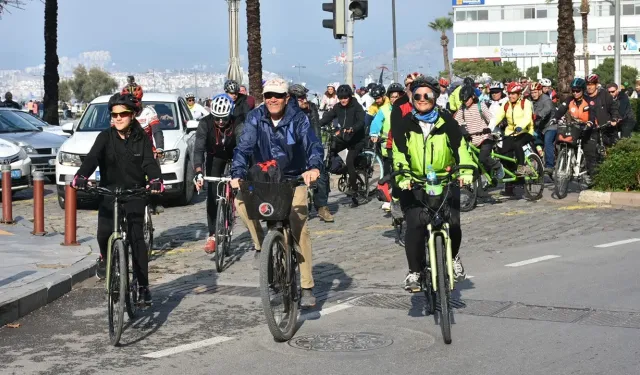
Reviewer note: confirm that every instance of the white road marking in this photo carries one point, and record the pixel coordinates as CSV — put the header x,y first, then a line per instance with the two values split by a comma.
x,y
323,312
187,347
469,277
198,234
623,242
533,260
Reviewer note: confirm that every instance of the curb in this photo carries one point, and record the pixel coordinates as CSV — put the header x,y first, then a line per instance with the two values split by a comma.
x,y
22,302
611,198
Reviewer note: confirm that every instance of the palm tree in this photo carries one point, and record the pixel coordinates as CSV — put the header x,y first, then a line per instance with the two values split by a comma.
x,y
51,62
443,24
254,49
584,12
566,47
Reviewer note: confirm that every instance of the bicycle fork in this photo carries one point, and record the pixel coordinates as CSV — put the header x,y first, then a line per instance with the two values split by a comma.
x,y
444,232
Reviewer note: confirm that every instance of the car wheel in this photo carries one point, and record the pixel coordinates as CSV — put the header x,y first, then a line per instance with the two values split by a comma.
x,y
61,201
189,187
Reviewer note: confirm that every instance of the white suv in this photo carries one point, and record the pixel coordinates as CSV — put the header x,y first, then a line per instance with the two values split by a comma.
x,y
176,166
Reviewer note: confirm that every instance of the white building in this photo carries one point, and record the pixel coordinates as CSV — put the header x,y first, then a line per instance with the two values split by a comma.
x,y
516,30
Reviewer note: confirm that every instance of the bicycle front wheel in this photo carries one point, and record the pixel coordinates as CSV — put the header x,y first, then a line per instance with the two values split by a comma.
x,y
221,235
117,290
131,300
278,288
469,195
375,171
148,230
444,293
534,185
562,172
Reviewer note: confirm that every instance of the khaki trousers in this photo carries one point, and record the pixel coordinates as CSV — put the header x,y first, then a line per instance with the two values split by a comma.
x,y
299,229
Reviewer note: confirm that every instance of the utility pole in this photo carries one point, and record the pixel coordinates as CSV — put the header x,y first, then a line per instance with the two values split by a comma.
x,y
395,49
617,41
234,72
349,63
195,81
300,67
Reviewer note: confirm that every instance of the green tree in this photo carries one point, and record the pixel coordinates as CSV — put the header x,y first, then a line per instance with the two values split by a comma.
x,y
549,70
498,72
87,85
605,72
64,91
444,24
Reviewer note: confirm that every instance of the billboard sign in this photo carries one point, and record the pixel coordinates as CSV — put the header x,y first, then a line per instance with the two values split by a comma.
x,y
466,2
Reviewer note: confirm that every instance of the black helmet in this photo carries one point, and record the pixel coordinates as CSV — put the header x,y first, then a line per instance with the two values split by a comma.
x,y
371,86
126,100
298,91
344,90
377,92
395,87
468,81
231,87
8,95
429,82
467,92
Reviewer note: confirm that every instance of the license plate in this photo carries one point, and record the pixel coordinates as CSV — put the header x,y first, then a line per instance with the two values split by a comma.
x,y
15,174
98,176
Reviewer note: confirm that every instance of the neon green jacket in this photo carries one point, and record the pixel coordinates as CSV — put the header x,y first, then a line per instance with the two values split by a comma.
x,y
454,99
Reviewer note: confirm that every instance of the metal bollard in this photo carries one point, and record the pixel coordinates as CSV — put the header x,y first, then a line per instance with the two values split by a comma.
x,y
7,208
70,219
38,204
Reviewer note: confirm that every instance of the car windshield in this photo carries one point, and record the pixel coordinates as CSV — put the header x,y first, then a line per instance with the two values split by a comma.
x,y
10,122
31,119
97,117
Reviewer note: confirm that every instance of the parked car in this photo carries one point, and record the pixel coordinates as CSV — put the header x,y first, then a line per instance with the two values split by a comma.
x,y
41,124
16,156
177,126
42,147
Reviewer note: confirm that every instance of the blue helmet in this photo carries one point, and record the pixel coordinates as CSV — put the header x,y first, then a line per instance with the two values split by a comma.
x,y
579,83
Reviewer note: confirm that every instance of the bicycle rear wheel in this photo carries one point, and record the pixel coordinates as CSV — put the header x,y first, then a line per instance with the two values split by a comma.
x,y
117,290
534,185
131,298
278,288
444,293
148,230
469,195
221,235
562,172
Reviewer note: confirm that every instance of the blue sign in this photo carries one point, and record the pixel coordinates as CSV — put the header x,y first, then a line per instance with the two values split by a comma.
x,y
467,2
632,45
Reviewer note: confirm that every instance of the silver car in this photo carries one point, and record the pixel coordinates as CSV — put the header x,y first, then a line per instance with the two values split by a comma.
x,y
42,147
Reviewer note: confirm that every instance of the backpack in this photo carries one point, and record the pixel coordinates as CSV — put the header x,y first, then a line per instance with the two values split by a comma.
x,y
337,165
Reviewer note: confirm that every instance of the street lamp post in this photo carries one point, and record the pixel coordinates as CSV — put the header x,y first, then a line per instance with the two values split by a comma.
x,y
234,72
616,41
395,49
300,67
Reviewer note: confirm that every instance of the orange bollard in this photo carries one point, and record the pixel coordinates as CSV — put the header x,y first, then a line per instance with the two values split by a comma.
x,y
70,219
7,208
38,204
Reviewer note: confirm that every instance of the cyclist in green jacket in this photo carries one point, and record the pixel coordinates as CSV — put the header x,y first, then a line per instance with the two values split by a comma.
x,y
428,137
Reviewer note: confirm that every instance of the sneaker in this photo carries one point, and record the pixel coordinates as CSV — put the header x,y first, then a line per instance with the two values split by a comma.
x,y
499,171
101,269
307,299
458,269
412,282
325,215
158,210
548,171
210,246
386,206
524,170
256,260
144,296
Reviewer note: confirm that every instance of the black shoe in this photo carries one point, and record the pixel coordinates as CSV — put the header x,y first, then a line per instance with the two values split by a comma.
x,y
144,296
157,210
307,299
350,192
101,269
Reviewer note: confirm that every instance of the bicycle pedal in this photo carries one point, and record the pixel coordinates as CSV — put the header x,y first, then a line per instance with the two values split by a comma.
x,y
414,290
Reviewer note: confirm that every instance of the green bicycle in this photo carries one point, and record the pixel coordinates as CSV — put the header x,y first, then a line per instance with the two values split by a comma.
x,y
533,182
437,277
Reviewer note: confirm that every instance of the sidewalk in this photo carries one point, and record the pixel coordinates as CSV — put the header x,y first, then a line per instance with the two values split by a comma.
x,y
36,270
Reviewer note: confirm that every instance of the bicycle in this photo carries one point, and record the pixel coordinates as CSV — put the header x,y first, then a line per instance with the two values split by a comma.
x,y
279,270
437,276
225,219
536,178
121,282
148,230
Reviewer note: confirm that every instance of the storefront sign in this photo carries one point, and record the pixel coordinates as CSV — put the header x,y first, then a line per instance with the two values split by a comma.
x,y
467,2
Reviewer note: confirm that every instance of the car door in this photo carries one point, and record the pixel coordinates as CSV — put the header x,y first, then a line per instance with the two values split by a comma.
x,y
185,115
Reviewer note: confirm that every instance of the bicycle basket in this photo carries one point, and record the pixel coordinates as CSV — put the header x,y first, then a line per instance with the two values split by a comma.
x,y
568,134
267,200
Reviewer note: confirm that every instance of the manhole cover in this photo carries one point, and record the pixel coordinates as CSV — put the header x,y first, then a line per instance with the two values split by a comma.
x,y
341,342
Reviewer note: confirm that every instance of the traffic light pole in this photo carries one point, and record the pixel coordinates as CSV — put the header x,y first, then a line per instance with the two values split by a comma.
x,y
348,79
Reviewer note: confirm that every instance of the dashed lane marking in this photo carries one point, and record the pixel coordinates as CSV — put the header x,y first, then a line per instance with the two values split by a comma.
x,y
187,347
623,242
531,261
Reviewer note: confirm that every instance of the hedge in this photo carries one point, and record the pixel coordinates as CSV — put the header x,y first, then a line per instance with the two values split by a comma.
x,y
635,104
620,171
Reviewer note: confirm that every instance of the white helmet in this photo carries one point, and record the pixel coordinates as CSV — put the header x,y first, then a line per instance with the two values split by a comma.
x,y
221,105
147,117
189,95
496,85
545,82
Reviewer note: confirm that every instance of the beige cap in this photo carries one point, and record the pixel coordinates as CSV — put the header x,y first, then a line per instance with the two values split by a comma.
x,y
276,85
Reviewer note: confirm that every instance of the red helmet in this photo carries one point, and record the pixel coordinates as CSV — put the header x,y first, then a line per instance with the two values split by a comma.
x,y
536,86
135,90
411,77
514,87
593,78
444,82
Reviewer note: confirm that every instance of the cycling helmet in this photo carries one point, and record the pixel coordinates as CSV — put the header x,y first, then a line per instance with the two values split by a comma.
x,y
496,86
443,82
593,78
467,92
189,96
344,90
545,82
133,89
371,86
535,86
578,83
377,91
298,91
395,87
513,87
147,117
126,100
468,81
232,87
412,77
430,82
221,105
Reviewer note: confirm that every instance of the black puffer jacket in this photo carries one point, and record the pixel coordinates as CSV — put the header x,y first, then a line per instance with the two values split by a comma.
x,y
211,140
602,107
349,117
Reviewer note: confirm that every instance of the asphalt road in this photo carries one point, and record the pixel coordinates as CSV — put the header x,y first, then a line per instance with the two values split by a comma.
x,y
552,290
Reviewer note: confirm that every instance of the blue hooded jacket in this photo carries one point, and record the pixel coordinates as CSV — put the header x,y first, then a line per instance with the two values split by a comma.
x,y
292,143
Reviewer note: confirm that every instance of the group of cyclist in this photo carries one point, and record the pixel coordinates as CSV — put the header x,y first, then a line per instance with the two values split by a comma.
x,y
418,127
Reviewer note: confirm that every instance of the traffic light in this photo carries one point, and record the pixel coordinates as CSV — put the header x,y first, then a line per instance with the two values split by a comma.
x,y
359,9
338,21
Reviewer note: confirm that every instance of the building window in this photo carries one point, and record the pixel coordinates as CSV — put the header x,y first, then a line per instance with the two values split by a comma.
x,y
467,40
541,13
483,15
553,37
591,36
628,10
626,37
612,10
488,39
529,13
576,12
536,37
513,38
637,9
461,15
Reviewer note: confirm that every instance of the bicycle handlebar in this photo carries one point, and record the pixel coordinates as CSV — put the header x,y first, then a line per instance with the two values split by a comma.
x,y
117,192
217,179
423,179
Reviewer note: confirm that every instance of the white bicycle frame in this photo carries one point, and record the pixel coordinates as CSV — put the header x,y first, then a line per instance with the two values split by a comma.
x,y
219,180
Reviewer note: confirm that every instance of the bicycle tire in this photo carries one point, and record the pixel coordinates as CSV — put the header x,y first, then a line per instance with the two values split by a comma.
x,y
117,291
342,184
444,294
563,166
131,298
148,231
273,264
472,198
536,163
373,175
221,235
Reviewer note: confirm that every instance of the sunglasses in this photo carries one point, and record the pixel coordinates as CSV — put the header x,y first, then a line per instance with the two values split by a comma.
x,y
191,100
302,99
612,92
221,119
576,91
343,97
276,95
427,97
121,114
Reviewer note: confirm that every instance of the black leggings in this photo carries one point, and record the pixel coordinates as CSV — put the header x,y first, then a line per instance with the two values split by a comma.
x,y
417,218
354,151
134,211
215,168
515,145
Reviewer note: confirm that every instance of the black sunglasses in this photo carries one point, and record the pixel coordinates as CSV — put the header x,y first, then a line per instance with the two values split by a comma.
x,y
343,97
427,97
191,100
277,95
612,92
221,119
576,90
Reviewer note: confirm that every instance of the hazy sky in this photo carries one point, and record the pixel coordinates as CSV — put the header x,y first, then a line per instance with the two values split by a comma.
x,y
163,34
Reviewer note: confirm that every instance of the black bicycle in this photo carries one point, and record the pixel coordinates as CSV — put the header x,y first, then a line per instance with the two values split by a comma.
x,y
121,282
